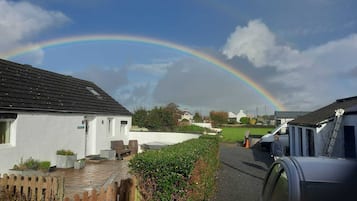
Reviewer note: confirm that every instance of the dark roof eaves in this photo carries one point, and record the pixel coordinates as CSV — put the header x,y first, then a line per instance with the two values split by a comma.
x,y
303,124
312,125
39,110
289,114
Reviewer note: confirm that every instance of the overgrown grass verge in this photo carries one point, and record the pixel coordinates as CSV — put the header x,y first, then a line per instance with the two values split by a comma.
x,y
184,171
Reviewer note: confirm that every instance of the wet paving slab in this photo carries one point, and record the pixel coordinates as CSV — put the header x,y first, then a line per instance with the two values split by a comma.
x,y
94,175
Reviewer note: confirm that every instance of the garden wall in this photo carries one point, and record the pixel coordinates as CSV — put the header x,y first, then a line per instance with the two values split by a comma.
x,y
160,137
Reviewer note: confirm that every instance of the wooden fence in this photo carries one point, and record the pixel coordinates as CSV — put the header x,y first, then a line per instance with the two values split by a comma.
x,y
114,192
34,188
38,188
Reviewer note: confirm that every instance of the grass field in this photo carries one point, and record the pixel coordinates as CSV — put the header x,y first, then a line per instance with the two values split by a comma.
x,y
234,135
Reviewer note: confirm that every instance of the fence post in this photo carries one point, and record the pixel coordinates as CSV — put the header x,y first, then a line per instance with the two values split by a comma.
x,y
26,186
85,196
60,188
33,187
94,195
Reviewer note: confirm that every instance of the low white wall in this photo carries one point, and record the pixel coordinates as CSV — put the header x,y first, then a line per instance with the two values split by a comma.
x,y
203,125
161,137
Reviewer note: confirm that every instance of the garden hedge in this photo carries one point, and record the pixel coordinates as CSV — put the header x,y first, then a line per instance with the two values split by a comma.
x,y
184,171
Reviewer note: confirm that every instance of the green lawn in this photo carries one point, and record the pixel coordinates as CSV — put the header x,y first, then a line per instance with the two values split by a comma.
x,y
236,134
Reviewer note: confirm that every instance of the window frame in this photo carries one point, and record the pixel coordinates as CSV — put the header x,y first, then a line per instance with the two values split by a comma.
x,y
111,127
6,137
12,133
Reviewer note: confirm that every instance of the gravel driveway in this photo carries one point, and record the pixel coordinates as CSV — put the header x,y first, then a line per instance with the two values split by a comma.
x,y
241,173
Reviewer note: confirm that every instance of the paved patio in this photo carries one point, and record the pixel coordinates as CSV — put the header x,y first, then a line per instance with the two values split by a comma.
x,y
94,175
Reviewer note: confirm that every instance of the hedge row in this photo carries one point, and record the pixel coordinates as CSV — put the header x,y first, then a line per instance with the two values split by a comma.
x,y
168,174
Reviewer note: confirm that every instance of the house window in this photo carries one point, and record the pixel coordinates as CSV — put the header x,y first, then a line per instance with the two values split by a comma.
x,y
94,92
123,127
4,132
311,142
110,128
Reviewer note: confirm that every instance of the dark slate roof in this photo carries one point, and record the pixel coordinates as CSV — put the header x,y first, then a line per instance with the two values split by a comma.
x,y
327,113
25,88
288,114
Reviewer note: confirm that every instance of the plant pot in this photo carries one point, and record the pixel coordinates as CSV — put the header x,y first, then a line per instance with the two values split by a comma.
x,y
66,161
79,164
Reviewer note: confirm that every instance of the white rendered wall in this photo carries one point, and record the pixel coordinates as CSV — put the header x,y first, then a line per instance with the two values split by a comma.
x,y
118,131
40,136
203,125
165,138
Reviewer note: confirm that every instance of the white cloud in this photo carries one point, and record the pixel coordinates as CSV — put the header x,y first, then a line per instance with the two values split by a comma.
x,y
258,44
252,42
20,21
156,69
311,77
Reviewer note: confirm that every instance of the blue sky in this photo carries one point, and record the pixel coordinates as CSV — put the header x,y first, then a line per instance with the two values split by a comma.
x,y
303,52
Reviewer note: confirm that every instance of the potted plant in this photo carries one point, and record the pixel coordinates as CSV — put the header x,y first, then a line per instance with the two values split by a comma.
x,y
65,158
79,164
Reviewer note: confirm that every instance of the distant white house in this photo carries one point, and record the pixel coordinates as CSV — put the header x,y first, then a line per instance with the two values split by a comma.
x,y
42,112
186,115
240,115
232,117
313,134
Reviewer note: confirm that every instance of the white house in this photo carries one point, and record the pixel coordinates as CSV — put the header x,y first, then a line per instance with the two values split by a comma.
x,y
313,134
42,112
240,115
232,117
186,115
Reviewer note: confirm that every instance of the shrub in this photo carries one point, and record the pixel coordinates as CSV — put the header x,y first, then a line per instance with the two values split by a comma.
x,y
64,152
32,164
44,165
244,120
190,129
168,174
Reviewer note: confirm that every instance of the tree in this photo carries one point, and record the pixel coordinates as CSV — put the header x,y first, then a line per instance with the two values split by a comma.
x,y
154,119
172,108
140,117
244,120
253,121
160,119
197,118
218,117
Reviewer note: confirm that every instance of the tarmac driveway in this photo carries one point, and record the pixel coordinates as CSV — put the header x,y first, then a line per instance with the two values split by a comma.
x,y
241,173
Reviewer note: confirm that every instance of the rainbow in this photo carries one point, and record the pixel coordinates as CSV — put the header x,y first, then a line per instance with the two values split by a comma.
x,y
145,40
